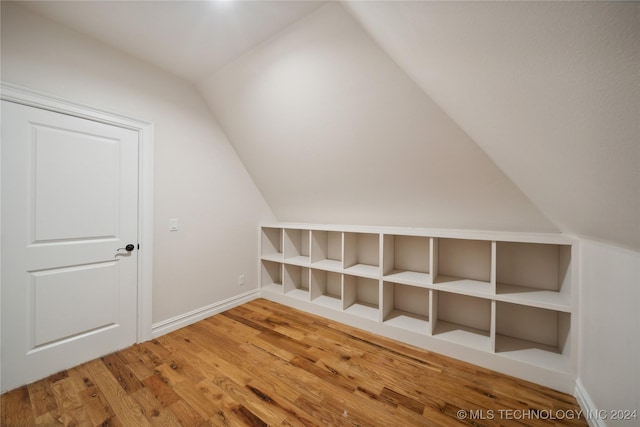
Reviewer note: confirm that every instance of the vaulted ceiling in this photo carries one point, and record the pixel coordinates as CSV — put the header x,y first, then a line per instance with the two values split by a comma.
x,y
191,39
549,90
502,115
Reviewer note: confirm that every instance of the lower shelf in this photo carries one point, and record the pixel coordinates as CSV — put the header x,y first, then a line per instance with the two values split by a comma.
x,y
409,321
329,301
364,270
361,309
537,297
532,353
328,264
463,286
302,294
409,277
463,335
273,287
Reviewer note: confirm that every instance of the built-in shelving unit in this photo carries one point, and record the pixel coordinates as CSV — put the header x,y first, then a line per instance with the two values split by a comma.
x,y
501,300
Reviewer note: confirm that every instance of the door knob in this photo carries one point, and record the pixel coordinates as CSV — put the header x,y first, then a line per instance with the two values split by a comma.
x,y
128,248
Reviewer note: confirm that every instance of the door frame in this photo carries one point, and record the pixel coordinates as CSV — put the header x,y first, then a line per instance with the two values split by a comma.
x,y
25,96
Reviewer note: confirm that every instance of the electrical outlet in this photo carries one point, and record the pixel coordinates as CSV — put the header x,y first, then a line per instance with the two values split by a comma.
x,y
241,280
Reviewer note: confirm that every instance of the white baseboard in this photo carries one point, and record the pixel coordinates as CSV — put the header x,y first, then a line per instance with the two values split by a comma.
x,y
177,322
589,409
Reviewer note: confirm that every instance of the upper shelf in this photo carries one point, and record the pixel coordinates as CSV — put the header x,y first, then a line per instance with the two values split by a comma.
x,y
361,254
407,259
534,272
464,286
533,297
502,236
407,277
296,245
271,243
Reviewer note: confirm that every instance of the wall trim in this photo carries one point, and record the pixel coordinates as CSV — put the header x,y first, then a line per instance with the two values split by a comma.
x,y
182,320
25,96
590,411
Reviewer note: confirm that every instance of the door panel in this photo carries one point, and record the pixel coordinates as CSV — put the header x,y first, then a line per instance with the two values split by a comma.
x,y
77,195
95,285
69,202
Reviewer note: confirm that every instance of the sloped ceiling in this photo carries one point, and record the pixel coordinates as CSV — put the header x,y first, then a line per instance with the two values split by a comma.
x,y
332,130
502,115
188,38
549,90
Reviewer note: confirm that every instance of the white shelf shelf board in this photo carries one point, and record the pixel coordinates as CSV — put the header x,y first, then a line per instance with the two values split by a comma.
x,y
329,301
302,261
463,335
328,265
277,257
302,294
463,286
273,287
533,297
361,309
532,353
364,270
406,277
409,321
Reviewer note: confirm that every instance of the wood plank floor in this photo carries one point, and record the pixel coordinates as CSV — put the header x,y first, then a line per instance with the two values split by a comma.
x,y
266,364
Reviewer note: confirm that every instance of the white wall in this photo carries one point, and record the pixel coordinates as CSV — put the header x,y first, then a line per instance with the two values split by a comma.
x,y
333,131
610,327
198,176
549,90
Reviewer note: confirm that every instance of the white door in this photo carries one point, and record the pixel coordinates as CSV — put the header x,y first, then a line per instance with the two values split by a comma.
x,y
69,204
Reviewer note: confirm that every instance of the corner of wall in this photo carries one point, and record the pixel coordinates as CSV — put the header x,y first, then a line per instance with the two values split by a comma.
x,y
589,408
608,379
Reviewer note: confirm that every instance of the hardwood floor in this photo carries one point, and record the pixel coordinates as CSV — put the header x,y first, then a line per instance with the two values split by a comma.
x,y
266,364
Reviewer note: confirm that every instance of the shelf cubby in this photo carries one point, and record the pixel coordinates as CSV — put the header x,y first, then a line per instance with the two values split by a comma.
x,y
271,276
326,288
405,306
462,319
271,244
535,274
297,246
362,254
326,250
464,266
533,335
361,296
296,281
406,259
